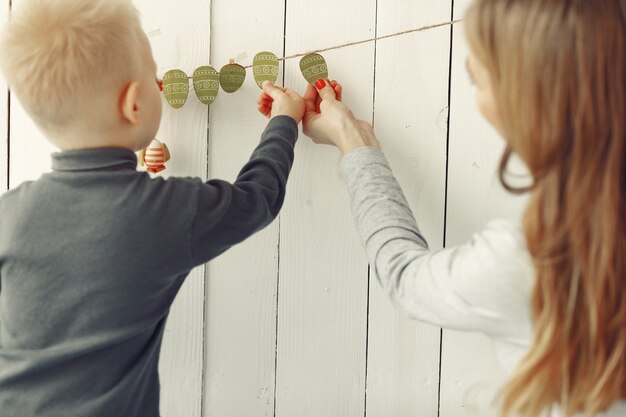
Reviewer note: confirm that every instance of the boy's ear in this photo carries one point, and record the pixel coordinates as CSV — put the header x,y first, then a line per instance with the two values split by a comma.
x,y
129,101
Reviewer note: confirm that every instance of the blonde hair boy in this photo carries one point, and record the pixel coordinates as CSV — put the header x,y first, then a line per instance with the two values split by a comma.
x,y
71,62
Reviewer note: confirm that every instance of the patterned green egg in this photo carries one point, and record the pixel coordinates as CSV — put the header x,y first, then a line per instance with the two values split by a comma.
x,y
265,67
232,77
313,67
176,88
206,82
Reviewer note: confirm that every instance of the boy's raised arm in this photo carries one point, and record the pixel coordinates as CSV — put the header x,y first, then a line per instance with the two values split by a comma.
x,y
229,213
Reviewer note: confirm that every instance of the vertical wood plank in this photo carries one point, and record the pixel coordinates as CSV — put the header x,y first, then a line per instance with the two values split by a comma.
x,y
322,321
470,374
182,40
241,287
29,149
411,124
4,114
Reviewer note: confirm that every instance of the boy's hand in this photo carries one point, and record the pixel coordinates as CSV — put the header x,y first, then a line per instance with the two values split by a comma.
x,y
328,121
277,101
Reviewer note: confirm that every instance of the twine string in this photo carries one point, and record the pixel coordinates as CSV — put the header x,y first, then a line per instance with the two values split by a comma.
x,y
345,45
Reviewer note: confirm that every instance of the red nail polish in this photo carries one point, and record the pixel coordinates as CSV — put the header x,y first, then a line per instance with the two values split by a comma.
x,y
320,84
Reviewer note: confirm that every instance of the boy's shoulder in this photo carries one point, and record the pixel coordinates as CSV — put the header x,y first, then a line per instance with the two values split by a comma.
x,y
13,194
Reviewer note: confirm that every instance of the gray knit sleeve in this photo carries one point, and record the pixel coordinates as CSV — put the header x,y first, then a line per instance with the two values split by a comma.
x,y
482,285
378,203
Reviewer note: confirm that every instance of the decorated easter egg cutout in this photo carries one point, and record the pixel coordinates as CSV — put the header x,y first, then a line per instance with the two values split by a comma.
x,y
265,67
313,67
155,156
176,88
232,77
206,82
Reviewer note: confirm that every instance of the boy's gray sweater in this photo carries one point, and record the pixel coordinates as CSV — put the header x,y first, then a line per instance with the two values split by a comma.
x,y
91,258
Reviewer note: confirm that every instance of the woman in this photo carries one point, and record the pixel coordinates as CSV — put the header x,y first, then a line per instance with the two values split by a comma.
x,y
550,75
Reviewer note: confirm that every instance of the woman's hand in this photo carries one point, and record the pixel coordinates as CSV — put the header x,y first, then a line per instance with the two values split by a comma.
x,y
277,101
328,121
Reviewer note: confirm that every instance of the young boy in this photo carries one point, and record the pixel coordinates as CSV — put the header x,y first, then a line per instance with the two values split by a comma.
x,y
93,254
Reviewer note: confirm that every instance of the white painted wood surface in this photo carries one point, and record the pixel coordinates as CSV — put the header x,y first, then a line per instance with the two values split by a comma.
x,y
410,121
289,322
241,286
322,314
28,147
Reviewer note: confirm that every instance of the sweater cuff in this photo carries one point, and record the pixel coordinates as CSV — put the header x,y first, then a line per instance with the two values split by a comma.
x,y
284,124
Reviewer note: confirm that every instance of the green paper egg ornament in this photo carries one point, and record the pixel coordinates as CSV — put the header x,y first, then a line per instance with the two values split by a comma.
x,y
232,77
176,88
206,83
265,67
313,67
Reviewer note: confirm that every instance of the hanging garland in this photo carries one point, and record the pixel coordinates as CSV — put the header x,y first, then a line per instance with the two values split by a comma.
x,y
206,84
207,81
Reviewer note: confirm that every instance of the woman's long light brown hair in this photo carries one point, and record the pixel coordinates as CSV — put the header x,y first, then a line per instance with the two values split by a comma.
x,y
558,70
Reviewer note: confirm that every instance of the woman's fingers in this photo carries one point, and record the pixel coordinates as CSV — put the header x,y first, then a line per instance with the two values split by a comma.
x,y
325,90
339,92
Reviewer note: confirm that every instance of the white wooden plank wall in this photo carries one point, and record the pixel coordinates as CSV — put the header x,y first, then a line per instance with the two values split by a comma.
x,y
410,120
241,288
322,321
290,321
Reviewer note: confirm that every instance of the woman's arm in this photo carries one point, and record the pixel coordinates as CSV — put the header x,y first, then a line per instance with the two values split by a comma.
x,y
478,286
483,285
